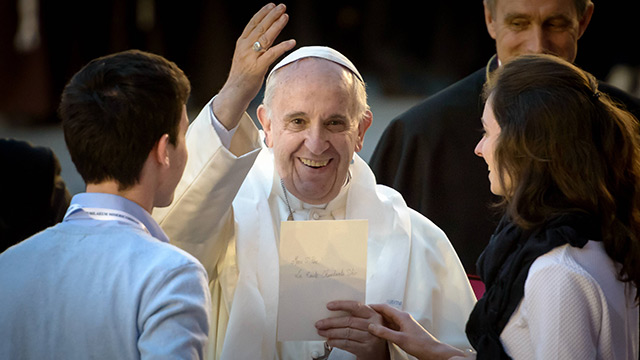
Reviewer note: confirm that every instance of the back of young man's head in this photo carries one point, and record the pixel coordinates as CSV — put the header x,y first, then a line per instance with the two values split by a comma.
x,y
116,108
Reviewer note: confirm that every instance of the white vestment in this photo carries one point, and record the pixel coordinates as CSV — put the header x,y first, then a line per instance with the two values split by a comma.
x,y
227,212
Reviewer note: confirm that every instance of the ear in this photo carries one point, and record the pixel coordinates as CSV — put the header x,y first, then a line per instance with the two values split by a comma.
x,y
363,126
585,19
160,151
489,20
265,121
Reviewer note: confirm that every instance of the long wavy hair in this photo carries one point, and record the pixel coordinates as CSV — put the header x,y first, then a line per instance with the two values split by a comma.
x,y
565,147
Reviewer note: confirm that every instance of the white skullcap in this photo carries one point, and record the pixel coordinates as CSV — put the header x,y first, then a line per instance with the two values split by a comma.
x,y
322,52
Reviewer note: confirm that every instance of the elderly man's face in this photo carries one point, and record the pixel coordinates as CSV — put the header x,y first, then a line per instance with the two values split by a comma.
x,y
536,27
313,129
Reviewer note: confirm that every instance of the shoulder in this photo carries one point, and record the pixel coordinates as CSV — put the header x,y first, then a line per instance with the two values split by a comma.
x,y
421,226
163,255
558,260
463,95
557,277
629,102
428,240
133,248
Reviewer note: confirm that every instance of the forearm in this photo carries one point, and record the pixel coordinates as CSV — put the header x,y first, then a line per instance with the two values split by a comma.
x,y
230,105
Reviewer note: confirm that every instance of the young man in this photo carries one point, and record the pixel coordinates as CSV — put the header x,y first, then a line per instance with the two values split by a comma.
x,y
105,283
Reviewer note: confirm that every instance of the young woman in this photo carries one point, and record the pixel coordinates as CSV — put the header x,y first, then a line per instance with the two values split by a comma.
x,y
562,269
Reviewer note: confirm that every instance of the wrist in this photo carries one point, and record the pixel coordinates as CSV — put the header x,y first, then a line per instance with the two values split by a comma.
x,y
228,109
443,351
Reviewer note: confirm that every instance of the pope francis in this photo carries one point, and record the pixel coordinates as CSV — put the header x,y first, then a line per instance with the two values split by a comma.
x,y
240,183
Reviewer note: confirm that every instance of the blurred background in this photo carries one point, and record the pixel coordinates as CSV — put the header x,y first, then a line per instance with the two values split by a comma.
x,y
405,50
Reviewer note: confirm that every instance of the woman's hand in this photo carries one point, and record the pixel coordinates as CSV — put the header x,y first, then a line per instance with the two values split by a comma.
x,y
402,329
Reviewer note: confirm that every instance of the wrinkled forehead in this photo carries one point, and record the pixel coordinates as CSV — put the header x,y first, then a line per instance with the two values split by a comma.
x,y
568,8
311,80
312,86
317,52
310,70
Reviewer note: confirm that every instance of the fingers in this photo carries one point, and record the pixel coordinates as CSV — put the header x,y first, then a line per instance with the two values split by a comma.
x,y
350,346
273,53
386,333
353,307
395,320
351,333
346,333
256,19
267,31
343,322
269,28
264,27
390,314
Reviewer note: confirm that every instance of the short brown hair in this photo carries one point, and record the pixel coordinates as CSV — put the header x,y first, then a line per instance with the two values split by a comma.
x,y
116,108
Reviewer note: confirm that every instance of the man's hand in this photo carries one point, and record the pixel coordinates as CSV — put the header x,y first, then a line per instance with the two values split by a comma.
x,y
249,67
350,332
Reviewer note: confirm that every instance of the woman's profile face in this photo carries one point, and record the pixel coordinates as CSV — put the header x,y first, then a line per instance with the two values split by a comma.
x,y
487,145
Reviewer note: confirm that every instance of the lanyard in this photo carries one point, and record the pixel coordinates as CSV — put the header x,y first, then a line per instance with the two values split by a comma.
x,y
77,212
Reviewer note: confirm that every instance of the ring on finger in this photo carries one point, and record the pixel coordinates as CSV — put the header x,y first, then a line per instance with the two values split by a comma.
x,y
257,47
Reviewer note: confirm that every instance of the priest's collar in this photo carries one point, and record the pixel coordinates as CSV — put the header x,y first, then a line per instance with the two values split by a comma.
x,y
493,64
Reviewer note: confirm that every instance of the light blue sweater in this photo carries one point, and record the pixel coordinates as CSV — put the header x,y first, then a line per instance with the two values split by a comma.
x,y
91,289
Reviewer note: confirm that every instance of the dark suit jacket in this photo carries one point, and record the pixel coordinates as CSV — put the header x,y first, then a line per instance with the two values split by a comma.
x,y
34,196
427,154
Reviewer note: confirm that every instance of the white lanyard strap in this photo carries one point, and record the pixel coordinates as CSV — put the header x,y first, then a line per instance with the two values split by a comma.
x,y
77,212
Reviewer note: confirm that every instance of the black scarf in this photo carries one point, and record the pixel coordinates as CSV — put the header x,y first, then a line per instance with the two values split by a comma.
x,y
504,266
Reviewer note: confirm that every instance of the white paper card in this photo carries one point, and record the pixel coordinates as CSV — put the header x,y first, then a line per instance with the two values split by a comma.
x,y
320,261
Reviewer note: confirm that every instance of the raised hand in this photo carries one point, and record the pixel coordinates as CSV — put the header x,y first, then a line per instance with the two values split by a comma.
x,y
350,332
250,63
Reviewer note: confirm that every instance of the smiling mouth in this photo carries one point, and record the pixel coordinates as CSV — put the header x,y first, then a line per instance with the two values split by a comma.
x,y
314,163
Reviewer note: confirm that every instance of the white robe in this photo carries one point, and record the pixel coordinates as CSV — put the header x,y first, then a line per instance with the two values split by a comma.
x,y
227,213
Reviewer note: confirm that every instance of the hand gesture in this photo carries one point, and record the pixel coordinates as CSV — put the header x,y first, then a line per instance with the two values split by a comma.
x,y
403,330
350,332
254,53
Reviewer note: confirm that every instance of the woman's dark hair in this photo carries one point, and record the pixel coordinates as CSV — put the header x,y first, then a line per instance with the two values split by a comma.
x,y
116,108
566,147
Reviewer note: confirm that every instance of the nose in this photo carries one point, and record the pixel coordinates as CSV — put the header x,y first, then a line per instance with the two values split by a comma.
x,y
536,42
478,149
317,140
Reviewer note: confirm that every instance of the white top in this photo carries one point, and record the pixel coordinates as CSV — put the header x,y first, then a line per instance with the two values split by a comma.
x,y
574,308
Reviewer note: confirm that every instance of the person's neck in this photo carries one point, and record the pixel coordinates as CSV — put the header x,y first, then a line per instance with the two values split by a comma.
x,y
134,193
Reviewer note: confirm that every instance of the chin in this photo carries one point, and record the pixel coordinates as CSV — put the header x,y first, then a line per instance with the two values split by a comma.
x,y
163,202
312,197
497,191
